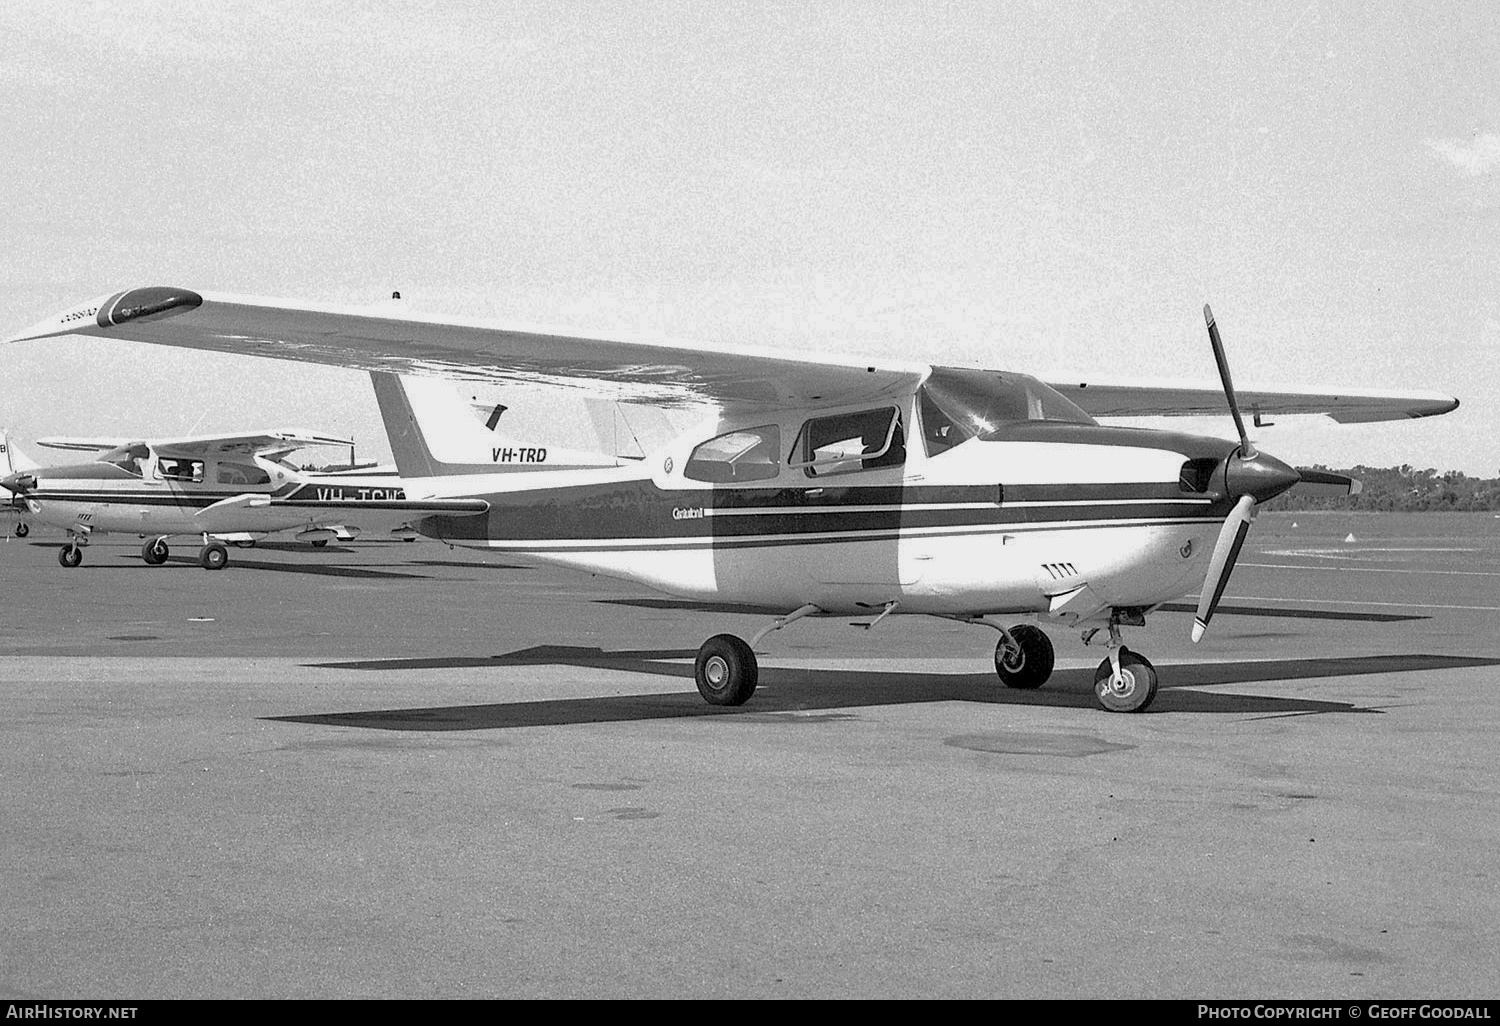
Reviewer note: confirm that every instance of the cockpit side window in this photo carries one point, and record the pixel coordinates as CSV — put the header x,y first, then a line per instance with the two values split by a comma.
x,y
846,442
171,469
750,454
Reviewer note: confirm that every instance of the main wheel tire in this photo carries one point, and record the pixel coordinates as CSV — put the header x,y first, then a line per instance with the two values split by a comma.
x,y
70,555
155,551
726,670
213,556
23,529
1137,686
1030,665
320,543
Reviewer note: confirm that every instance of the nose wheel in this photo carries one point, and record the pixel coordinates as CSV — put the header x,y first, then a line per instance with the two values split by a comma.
x,y
1131,687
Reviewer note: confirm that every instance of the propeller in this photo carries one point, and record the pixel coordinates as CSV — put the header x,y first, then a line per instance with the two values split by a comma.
x,y
1250,475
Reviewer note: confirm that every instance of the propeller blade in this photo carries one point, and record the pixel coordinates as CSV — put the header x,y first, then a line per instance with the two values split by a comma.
x,y
1321,483
1246,449
1226,551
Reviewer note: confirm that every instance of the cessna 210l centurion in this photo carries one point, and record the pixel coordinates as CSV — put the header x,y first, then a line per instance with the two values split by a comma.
x,y
212,486
825,486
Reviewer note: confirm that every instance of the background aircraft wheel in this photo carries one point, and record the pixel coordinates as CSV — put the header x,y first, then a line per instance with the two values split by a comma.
x,y
726,670
1134,692
320,543
155,551
70,555
245,543
1029,666
213,556
22,530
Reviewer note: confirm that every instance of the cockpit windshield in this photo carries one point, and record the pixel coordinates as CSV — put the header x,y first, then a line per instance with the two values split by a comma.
x,y
958,405
130,458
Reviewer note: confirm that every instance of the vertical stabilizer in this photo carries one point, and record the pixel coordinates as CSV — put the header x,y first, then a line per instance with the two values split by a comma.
x,y
13,460
433,432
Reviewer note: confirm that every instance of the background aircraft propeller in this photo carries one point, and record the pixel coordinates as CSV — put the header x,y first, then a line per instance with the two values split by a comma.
x,y
1250,475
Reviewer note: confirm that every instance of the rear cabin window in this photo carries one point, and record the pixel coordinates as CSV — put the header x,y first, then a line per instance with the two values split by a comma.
x,y
847,442
241,474
750,454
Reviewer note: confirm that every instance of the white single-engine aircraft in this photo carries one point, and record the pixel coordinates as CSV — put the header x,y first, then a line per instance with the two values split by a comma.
x,y
826,486
212,487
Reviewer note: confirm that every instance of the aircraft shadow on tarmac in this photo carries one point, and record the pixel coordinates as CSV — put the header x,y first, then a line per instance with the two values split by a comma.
x,y
791,692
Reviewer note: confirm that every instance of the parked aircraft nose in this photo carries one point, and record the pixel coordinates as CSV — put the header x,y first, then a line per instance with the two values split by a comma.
x,y
1262,476
18,482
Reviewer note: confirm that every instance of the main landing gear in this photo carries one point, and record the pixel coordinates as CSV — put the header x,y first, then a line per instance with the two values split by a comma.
x,y
214,555
727,673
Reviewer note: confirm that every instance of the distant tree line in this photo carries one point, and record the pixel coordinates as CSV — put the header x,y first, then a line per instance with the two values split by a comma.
x,y
1402,489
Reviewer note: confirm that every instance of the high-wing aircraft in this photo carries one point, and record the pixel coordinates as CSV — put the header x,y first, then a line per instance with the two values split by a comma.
x,y
826,485
214,487
12,508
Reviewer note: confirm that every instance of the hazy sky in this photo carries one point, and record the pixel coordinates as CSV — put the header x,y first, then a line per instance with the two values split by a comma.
x,y
1054,188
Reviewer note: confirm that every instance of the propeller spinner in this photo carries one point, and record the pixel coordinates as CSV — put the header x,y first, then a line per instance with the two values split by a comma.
x,y
1251,475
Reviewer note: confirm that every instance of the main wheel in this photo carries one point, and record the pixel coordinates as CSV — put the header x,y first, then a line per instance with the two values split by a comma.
x,y
213,556
155,551
320,543
70,555
23,529
726,670
1029,664
1137,685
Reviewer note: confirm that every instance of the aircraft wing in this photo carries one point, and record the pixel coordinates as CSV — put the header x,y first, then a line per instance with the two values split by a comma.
x,y
1183,399
84,444
395,341
254,443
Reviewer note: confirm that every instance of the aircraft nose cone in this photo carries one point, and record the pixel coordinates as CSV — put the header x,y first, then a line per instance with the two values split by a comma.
x,y
17,482
1261,477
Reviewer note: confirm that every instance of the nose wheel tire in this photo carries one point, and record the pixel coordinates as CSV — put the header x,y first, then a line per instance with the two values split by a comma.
x,y
1135,689
213,556
1028,663
70,555
155,551
22,530
726,670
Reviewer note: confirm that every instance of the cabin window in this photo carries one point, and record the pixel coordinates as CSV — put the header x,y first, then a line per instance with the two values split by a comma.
x,y
179,470
750,454
240,474
847,442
